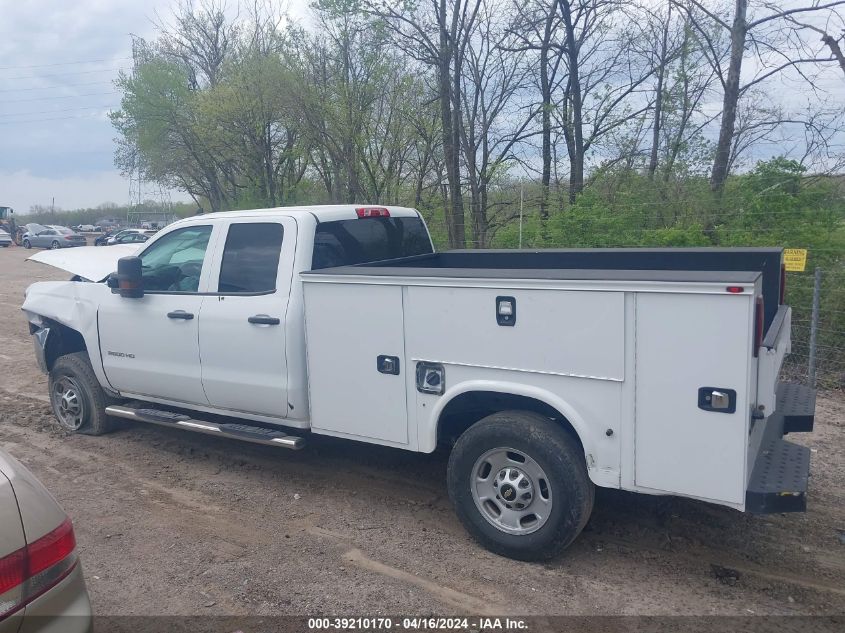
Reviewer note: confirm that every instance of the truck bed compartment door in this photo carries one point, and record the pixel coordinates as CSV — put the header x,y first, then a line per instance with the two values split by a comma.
x,y
688,347
356,361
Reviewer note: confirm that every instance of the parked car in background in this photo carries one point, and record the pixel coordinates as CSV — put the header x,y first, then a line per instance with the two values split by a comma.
x,y
126,236
41,583
5,238
53,237
103,237
86,228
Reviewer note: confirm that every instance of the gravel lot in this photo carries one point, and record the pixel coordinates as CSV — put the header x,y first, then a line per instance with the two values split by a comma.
x,y
175,523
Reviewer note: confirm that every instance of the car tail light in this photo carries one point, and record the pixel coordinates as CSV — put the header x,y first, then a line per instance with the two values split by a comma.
x,y
32,570
782,283
759,313
372,212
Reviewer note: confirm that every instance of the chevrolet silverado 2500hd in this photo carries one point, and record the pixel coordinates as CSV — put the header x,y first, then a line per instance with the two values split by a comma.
x,y
546,372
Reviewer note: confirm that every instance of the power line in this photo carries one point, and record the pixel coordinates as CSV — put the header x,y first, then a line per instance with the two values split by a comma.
x,y
82,72
57,86
13,114
60,118
89,94
87,61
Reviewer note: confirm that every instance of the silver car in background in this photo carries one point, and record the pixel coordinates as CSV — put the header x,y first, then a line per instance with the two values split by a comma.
x,y
52,237
41,584
5,238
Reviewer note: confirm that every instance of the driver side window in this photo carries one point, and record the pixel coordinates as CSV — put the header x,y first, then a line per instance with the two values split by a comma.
x,y
174,262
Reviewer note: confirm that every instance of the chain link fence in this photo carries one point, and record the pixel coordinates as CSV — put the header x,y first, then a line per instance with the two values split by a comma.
x,y
818,352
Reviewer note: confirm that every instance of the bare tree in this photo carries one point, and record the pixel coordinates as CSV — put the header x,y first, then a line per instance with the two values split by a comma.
x,y
665,52
534,28
606,78
495,119
832,42
767,37
435,33
201,37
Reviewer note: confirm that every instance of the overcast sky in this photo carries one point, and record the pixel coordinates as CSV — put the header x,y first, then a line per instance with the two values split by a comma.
x,y
57,63
58,60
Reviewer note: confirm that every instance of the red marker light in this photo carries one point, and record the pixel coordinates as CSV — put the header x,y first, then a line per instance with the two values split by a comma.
x,y
372,212
735,290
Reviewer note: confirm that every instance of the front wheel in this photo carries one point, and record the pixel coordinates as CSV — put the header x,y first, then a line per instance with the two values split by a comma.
x,y
519,485
26,244
78,401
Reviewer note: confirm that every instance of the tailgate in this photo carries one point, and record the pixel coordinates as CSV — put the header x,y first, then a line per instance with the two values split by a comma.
x,y
775,346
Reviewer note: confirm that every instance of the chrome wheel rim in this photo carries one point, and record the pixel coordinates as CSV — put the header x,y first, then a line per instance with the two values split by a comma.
x,y
511,491
68,403
54,246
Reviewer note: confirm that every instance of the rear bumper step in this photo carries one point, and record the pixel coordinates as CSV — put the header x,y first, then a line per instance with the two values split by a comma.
x,y
779,479
797,405
244,432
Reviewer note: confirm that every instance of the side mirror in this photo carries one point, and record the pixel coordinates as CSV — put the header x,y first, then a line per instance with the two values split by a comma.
x,y
129,282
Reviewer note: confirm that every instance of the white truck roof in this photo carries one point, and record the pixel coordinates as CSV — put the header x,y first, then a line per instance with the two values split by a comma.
x,y
322,213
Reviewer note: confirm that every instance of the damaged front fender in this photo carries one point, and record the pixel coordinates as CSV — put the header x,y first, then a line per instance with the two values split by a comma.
x,y
63,312
39,341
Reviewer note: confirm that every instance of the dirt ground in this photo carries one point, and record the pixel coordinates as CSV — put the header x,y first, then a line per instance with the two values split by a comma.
x,y
170,522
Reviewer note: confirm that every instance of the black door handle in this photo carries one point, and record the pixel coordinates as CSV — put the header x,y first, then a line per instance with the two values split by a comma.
x,y
263,319
180,314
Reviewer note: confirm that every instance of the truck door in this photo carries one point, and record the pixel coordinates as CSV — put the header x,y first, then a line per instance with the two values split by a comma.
x,y
150,345
687,347
242,331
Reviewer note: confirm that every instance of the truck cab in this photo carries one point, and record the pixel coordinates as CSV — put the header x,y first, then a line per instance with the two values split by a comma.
x,y
219,326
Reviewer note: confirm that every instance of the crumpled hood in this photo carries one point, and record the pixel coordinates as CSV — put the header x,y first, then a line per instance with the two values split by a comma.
x,y
94,263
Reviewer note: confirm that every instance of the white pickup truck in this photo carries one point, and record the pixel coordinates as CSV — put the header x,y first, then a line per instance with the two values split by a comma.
x,y
546,373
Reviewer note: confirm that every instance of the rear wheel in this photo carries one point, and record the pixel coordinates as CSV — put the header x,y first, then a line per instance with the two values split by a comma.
x,y
55,245
78,401
519,485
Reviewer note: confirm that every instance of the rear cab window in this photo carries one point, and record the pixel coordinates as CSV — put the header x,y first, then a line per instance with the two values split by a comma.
x,y
365,240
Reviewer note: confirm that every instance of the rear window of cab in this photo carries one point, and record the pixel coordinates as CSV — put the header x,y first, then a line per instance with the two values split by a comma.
x,y
365,240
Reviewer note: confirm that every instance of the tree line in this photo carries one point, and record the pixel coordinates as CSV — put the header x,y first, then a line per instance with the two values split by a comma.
x,y
450,106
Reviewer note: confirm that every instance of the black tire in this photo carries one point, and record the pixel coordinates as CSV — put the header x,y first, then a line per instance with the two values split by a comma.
x,y
54,245
559,457
72,373
26,244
